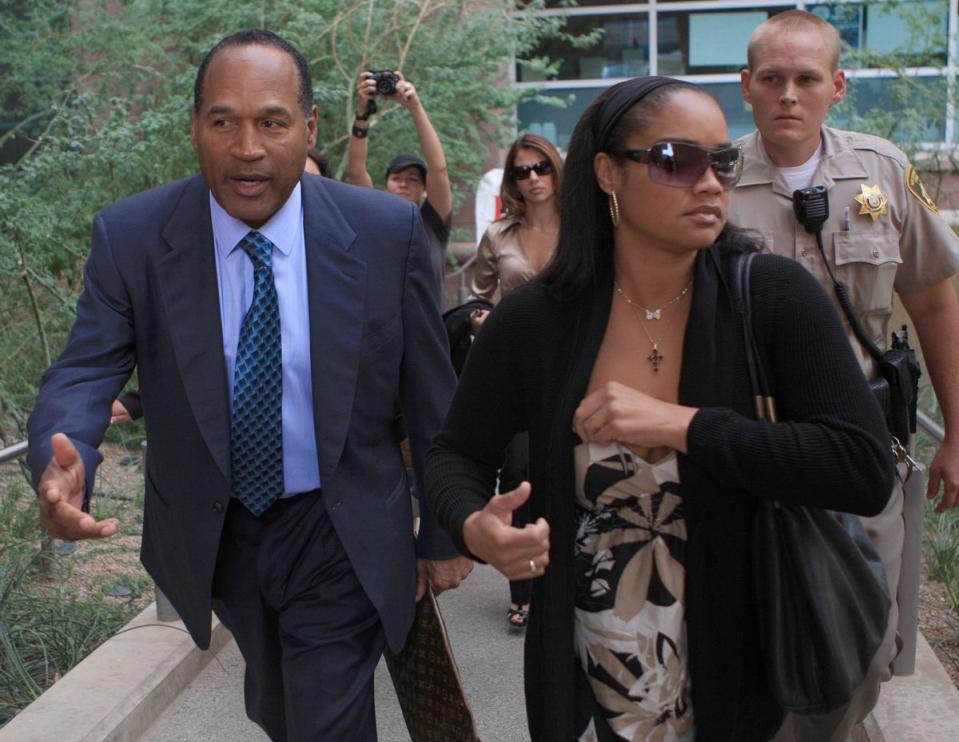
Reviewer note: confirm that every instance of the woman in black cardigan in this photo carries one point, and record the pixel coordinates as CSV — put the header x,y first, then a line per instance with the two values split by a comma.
x,y
625,363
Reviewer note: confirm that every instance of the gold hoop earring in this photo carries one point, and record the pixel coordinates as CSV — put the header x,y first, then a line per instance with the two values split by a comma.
x,y
613,208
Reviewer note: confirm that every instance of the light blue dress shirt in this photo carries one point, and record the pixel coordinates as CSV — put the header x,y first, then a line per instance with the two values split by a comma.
x,y
301,467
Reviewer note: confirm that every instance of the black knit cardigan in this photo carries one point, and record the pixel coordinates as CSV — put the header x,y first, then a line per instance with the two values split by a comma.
x,y
528,370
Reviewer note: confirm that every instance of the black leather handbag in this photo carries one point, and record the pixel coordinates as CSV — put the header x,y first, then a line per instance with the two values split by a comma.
x,y
822,602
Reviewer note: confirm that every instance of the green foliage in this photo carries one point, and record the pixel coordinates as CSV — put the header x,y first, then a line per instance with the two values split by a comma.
x,y
942,546
55,607
941,549
44,631
98,96
940,542
43,634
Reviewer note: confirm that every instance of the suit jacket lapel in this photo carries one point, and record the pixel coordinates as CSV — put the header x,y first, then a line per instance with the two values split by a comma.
x,y
188,286
336,280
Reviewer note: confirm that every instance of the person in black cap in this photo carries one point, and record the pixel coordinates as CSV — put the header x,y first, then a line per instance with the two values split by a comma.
x,y
408,176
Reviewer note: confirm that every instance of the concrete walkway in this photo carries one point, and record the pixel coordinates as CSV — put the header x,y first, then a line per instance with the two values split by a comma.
x,y
152,684
489,654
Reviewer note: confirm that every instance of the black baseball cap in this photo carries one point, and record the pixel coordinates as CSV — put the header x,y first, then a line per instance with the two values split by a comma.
x,y
401,162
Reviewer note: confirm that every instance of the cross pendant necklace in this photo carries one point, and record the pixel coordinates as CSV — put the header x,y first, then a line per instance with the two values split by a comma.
x,y
655,358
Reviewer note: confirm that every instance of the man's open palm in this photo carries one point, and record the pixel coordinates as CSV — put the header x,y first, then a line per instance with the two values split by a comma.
x,y
61,496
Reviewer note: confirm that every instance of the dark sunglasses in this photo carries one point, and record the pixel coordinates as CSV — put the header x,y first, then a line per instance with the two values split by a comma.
x,y
680,165
541,168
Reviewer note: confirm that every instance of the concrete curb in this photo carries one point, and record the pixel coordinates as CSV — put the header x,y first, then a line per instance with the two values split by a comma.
x,y
117,691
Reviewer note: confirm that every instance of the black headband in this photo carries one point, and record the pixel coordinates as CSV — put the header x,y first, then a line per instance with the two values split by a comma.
x,y
622,97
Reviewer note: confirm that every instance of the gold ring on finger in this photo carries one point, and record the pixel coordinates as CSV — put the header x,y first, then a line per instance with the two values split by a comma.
x,y
532,566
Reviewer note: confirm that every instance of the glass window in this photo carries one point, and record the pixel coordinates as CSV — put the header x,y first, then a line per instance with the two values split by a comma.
x,y
739,116
697,39
621,51
907,111
556,124
706,42
915,30
582,3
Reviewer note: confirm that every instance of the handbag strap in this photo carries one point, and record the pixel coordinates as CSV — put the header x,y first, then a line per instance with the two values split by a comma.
x,y
763,401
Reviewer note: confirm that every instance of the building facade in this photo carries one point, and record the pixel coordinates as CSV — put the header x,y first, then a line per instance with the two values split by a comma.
x,y
705,43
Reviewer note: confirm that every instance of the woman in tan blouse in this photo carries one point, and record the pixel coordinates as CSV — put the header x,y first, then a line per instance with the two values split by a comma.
x,y
518,244
514,249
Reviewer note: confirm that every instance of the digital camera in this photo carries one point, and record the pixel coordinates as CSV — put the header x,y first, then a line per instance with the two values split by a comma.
x,y
385,81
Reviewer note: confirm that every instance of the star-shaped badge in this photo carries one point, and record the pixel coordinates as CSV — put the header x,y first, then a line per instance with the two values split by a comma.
x,y
873,201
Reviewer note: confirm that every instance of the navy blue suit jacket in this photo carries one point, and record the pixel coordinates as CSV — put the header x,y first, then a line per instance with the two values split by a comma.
x,y
377,344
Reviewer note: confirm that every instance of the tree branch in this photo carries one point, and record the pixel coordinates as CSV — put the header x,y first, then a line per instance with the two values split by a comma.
x,y
34,308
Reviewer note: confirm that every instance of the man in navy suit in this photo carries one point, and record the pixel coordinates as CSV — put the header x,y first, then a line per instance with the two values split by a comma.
x,y
314,582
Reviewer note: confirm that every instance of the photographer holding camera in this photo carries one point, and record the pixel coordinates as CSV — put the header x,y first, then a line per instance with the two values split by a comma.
x,y
407,176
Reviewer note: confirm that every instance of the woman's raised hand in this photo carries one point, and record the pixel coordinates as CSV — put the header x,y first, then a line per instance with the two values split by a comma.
x,y
617,413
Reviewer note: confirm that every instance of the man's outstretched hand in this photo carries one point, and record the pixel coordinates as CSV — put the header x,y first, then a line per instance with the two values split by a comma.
x,y
61,496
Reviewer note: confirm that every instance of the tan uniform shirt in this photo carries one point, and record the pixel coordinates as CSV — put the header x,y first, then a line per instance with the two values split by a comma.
x,y
501,261
892,238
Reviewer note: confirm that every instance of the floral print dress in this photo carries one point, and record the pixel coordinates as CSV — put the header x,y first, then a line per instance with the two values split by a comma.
x,y
630,632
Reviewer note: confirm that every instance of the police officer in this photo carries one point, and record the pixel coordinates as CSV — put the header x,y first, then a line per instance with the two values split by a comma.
x,y
884,234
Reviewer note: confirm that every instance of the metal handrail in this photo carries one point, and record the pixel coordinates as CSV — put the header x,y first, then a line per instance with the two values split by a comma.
x,y
14,452
461,272
462,269
930,427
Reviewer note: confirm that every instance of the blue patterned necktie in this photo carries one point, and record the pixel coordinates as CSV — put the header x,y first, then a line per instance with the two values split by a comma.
x,y
256,432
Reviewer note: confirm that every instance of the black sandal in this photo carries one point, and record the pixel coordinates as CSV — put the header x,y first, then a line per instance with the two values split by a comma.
x,y
517,617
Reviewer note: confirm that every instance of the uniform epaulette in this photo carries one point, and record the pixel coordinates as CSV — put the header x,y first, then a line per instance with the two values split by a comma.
x,y
861,141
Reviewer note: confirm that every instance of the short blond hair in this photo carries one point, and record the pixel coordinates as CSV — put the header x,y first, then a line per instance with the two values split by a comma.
x,y
795,20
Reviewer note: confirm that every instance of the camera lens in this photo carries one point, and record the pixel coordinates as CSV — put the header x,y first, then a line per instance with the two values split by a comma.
x,y
385,82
